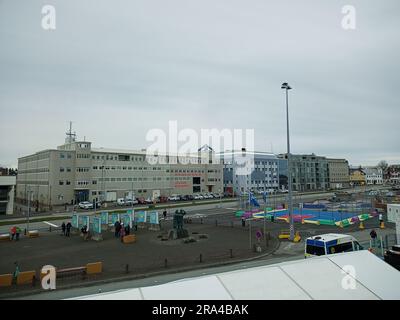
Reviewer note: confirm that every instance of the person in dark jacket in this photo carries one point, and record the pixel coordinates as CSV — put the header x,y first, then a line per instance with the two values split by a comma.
x,y
117,226
373,237
63,227
68,229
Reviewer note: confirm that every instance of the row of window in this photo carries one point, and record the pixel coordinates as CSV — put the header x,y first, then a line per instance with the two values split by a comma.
x,y
148,168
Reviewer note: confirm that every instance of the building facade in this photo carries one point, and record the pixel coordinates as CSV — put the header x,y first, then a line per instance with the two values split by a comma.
x,y
357,176
373,175
7,190
393,174
76,172
249,171
339,176
309,172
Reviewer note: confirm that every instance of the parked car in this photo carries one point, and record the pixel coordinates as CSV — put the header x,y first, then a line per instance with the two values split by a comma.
x,y
173,198
162,199
198,197
131,202
121,202
149,200
141,200
85,205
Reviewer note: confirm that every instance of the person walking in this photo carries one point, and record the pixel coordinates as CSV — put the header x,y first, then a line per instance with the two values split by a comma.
x,y
373,237
16,272
122,232
17,233
13,231
243,222
63,227
68,229
127,230
380,219
117,226
165,214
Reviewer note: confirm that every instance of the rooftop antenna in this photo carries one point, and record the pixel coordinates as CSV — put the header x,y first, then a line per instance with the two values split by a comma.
x,y
71,137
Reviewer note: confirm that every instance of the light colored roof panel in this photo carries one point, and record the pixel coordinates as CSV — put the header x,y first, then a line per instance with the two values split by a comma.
x,y
262,284
322,280
372,272
203,288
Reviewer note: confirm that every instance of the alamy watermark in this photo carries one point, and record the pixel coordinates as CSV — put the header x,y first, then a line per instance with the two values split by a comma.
x,y
349,20
186,146
48,17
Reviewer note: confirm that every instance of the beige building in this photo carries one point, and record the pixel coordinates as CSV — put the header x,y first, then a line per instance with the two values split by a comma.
x,y
77,172
339,176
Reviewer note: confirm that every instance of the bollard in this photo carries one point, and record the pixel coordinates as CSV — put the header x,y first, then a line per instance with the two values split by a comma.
x,y
127,268
165,263
50,229
231,253
201,258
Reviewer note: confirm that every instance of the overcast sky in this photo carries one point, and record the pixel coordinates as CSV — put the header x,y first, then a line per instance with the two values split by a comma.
x,y
120,68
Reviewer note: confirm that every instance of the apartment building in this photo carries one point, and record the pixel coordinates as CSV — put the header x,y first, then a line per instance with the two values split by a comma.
x,y
309,172
339,176
77,172
249,171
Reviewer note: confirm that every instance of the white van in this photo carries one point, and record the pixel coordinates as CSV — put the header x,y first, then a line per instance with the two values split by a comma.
x,y
330,243
121,201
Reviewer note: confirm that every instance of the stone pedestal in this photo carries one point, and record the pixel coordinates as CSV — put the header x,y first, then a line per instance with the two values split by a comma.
x,y
174,234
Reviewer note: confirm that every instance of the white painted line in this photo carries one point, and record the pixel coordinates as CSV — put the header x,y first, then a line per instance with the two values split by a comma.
x,y
50,224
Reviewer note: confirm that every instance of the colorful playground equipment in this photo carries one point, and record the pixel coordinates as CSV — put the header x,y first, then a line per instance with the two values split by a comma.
x,y
339,218
285,235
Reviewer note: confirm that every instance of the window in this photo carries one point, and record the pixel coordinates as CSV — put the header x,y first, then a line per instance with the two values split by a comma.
x,y
62,169
61,183
62,155
343,247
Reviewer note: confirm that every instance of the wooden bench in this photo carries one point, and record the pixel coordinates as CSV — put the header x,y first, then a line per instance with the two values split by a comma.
x,y
70,271
94,268
5,237
6,280
26,277
33,234
129,239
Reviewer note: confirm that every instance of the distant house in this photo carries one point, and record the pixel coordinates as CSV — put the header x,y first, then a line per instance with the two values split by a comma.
x,y
393,174
357,176
373,175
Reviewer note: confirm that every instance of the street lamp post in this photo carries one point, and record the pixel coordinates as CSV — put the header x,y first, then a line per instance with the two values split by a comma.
x,y
286,87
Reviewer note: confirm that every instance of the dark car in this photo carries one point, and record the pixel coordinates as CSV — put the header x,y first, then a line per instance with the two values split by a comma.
x,y
141,200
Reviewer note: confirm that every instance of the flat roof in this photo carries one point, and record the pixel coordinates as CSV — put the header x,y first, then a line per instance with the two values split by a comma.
x,y
358,275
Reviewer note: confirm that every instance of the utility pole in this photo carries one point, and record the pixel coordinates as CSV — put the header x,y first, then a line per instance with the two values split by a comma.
x,y
29,207
286,87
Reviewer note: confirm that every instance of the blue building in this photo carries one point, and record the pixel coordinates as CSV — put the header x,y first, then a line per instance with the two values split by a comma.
x,y
245,171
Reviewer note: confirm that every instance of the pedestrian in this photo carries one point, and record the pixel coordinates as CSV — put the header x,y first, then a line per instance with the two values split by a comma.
x,y
127,230
16,271
165,214
380,218
122,232
13,231
17,233
68,227
243,222
373,237
135,225
63,227
117,227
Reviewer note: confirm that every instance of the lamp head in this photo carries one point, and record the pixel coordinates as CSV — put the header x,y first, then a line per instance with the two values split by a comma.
x,y
286,86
